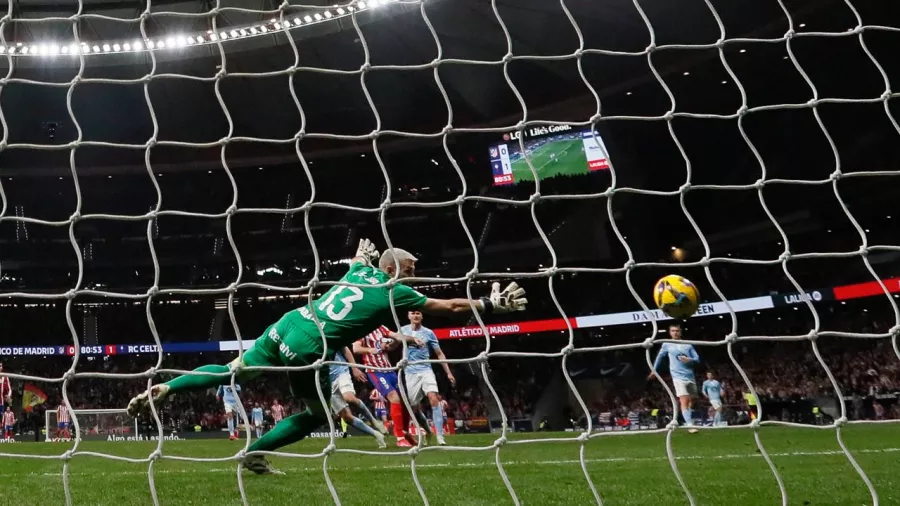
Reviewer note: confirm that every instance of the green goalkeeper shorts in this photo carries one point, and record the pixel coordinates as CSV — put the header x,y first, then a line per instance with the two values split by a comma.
x,y
287,343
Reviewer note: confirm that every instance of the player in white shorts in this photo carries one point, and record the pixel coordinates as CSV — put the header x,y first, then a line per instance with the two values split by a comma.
x,y
712,390
420,380
230,402
682,360
341,387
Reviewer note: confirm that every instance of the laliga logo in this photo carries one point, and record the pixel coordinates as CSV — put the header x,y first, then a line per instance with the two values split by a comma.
x,y
797,298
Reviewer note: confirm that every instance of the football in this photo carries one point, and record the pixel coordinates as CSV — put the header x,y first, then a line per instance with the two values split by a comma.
x,y
676,296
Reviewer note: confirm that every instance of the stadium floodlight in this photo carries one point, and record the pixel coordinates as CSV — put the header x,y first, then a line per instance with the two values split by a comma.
x,y
243,32
106,48
200,39
151,44
126,46
263,29
223,35
340,11
253,30
307,18
286,24
277,26
327,14
161,44
170,42
318,16
296,21
117,47
361,5
54,49
181,41
96,48
12,50
2,49
233,33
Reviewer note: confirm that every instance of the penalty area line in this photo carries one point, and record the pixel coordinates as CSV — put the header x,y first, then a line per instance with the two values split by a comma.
x,y
465,465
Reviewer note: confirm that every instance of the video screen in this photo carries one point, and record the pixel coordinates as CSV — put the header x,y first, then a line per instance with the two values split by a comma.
x,y
554,151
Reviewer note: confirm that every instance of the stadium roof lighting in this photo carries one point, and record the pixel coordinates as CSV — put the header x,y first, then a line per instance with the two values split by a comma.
x,y
742,51
180,40
687,73
802,25
629,93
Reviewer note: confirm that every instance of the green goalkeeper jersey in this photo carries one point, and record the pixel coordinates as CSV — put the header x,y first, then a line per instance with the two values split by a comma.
x,y
347,313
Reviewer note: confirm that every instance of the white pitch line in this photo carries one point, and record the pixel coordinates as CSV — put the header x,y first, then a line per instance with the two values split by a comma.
x,y
465,465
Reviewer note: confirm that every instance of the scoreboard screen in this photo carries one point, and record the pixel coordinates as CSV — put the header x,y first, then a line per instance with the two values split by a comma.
x,y
554,151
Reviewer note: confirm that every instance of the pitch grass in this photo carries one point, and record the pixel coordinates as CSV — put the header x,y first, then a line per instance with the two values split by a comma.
x,y
570,161
719,467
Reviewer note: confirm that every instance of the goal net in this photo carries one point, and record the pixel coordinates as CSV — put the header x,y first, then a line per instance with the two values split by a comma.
x,y
94,424
580,148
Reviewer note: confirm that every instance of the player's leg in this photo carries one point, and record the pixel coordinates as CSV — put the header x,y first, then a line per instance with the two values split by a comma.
x,y
386,383
437,416
717,418
229,420
415,391
265,351
683,392
347,417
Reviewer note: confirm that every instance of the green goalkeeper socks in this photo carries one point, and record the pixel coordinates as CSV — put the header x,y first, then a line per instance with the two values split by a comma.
x,y
200,382
290,430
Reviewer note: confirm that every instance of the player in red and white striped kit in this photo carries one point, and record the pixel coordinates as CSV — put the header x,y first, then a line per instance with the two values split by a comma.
x,y
277,411
62,422
380,407
9,421
5,391
373,348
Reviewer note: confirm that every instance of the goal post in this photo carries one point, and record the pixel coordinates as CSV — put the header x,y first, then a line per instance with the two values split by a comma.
x,y
97,424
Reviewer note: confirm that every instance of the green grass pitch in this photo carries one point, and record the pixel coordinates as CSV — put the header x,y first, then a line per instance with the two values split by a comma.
x,y
570,161
719,467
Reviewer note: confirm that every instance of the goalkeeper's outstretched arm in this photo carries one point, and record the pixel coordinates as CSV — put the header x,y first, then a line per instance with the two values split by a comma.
x,y
512,298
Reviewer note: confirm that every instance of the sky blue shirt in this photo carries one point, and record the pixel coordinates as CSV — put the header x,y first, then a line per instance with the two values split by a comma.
x,y
679,370
713,390
335,370
227,394
257,415
423,352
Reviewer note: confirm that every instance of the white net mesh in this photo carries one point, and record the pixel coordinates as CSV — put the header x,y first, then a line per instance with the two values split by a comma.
x,y
288,16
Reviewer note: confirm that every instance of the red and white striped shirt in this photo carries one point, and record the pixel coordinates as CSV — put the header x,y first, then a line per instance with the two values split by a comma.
x,y
5,390
277,412
9,419
443,406
377,340
377,400
62,414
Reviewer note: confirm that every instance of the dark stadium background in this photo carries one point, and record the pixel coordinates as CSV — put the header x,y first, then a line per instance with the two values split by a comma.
x,y
196,252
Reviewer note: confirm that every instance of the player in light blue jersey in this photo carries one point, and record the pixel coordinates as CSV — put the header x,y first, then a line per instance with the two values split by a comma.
x,y
682,360
712,390
342,393
256,418
420,380
229,399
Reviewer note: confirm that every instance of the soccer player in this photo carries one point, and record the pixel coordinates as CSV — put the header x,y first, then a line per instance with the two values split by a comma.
x,y
682,359
712,390
379,405
256,416
420,380
373,348
340,316
341,382
277,411
5,391
62,422
228,398
341,373
9,422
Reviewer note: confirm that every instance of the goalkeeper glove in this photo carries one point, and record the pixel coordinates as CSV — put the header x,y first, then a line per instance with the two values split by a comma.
x,y
367,251
506,301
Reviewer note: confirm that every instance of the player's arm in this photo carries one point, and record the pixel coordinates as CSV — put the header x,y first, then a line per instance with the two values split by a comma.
x,y
663,351
360,348
705,390
357,373
398,338
692,358
366,253
439,353
512,298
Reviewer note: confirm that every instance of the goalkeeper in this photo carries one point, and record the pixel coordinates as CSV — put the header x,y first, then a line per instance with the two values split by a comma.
x,y
344,314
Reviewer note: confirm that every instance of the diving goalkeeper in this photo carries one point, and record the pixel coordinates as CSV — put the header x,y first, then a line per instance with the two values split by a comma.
x,y
344,314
